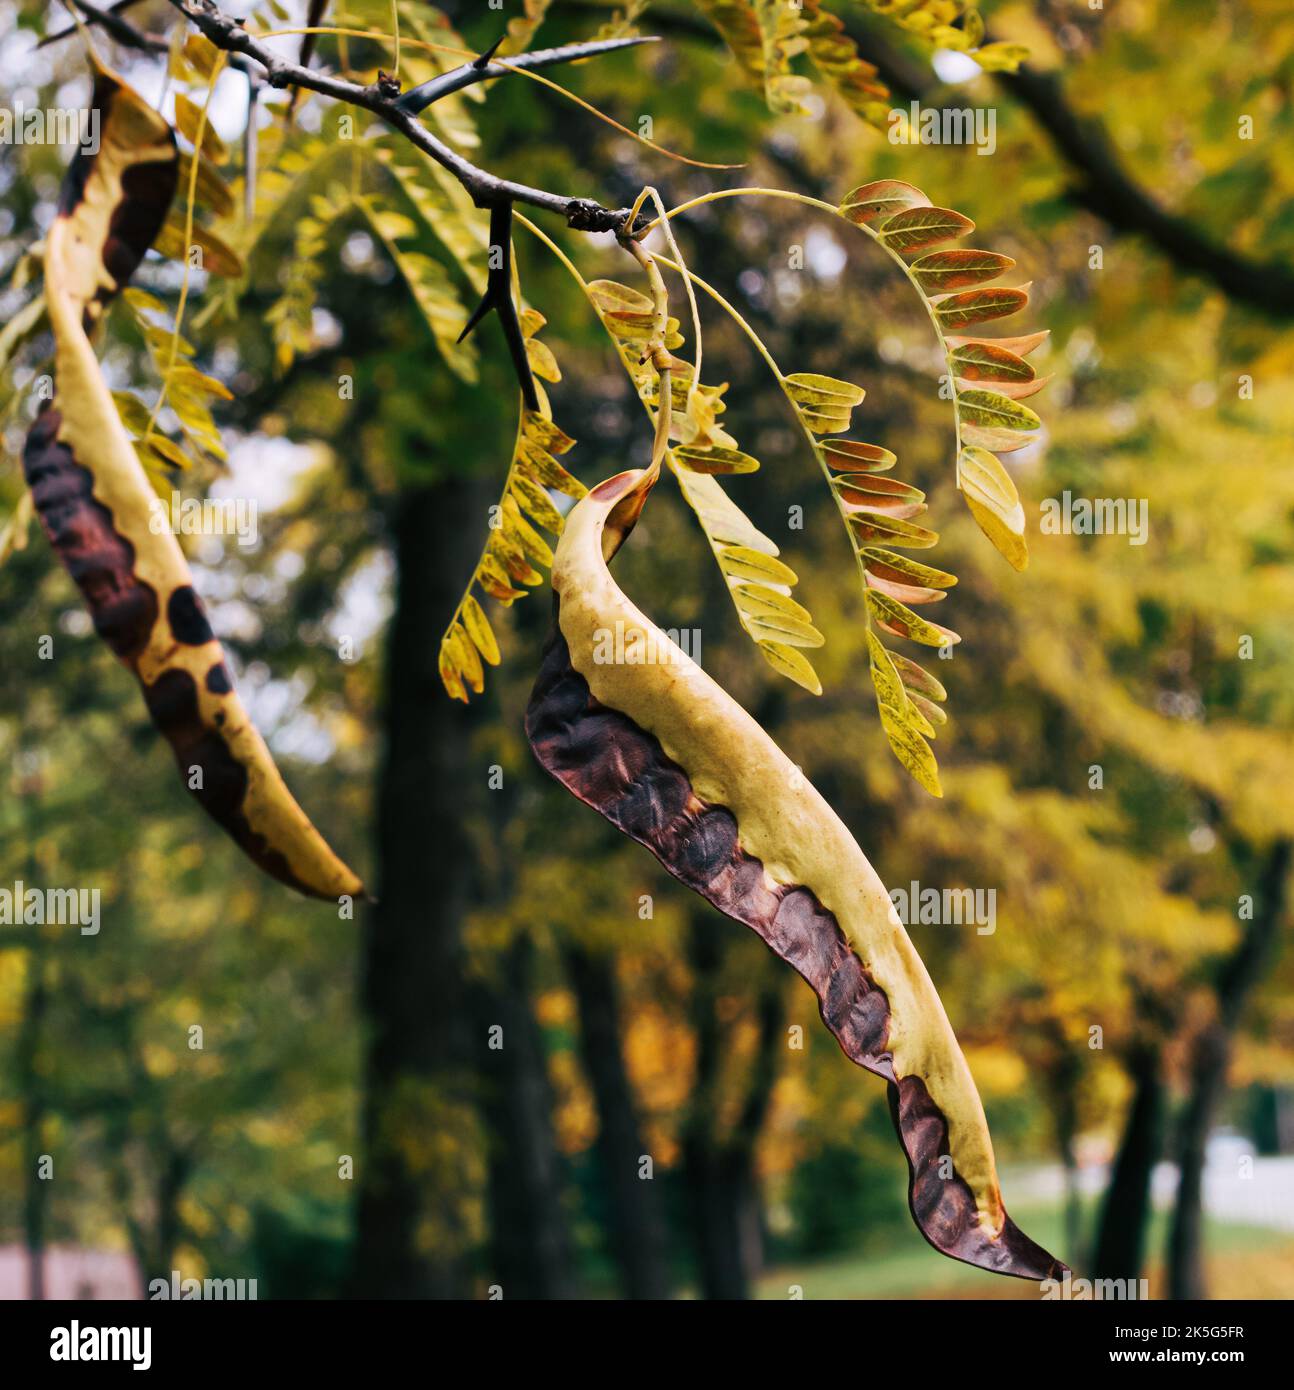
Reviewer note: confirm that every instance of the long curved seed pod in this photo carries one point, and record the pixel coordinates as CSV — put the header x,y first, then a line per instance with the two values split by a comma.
x,y
95,504
674,762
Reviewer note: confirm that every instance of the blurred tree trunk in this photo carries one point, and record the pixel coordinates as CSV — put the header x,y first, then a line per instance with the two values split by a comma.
x,y
530,1251
637,1221
719,1170
30,1085
1125,1213
1210,1060
421,1150
156,1236
32,1090
1063,1072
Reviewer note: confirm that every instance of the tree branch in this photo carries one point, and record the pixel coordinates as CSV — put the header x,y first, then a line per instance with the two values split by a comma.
x,y
483,70
498,296
1103,186
382,99
111,22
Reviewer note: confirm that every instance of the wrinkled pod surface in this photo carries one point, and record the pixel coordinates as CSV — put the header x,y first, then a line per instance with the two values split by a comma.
x,y
95,504
668,757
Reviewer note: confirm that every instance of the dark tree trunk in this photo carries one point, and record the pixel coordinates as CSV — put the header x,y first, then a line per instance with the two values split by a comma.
x,y
412,1237
1125,1213
1063,1076
30,1083
32,1089
719,1205
1209,1061
176,1169
723,1193
713,1199
1208,1075
637,1220
530,1252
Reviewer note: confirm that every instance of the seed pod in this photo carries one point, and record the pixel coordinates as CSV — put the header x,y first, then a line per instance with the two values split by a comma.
x,y
668,757
95,504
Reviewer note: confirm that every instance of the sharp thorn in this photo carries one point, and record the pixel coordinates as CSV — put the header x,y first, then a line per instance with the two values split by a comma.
x,y
481,310
484,60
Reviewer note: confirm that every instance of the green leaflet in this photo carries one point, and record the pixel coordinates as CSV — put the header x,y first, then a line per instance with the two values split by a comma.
x,y
880,200
291,316
211,191
993,410
836,57
889,564
188,119
874,528
479,630
433,291
717,460
418,20
444,206
901,219
917,680
14,533
873,492
794,665
782,27
953,270
851,455
918,227
624,23
900,719
759,584
738,24
984,361
822,403
899,619
522,29
979,306
764,600
991,495
189,393
754,566
506,566
203,249
765,35
954,24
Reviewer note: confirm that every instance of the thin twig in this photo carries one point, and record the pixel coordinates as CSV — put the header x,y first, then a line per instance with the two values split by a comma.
x,y
250,139
111,22
498,296
487,190
483,70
